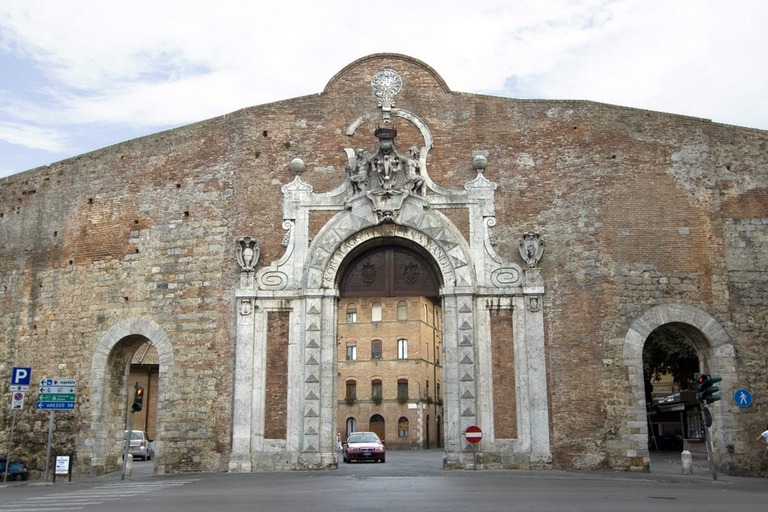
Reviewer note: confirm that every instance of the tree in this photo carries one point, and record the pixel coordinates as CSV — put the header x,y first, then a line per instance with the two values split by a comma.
x,y
668,352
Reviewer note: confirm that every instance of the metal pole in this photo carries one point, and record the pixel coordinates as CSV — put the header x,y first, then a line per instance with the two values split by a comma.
x,y
709,446
474,457
10,445
128,436
48,450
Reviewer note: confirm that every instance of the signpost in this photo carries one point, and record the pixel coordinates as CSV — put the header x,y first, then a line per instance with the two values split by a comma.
x,y
473,435
55,395
20,376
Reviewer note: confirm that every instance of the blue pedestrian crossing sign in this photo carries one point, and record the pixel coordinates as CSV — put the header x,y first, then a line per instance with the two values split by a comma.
x,y
743,397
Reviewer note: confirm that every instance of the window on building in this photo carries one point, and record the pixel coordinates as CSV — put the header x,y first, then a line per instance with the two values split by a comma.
x,y
437,354
351,425
376,349
426,351
376,389
402,349
426,314
351,390
402,311
437,390
402,389
351,351
376,312
402,427
351,314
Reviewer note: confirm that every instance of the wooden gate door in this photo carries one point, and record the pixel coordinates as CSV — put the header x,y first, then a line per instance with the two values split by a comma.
x,y
376,425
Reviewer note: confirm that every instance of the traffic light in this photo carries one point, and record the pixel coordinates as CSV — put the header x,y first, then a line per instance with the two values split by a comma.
x,y
705,391
138,399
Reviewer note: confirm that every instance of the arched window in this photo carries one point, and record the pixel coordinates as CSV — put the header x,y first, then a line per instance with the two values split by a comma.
x,y
351,314
402,349
402,311
351,390
402,427
376,312
426,315
376,390
351,426
402,390
376,349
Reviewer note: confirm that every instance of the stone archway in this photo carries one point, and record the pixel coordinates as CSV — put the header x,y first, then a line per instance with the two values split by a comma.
x,y
716,355
109,371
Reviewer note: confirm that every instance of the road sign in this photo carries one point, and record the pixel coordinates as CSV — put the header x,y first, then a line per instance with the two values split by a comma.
x,y
57,394
58,382
54,406
56,397
742,397
17,401
20,377
56,389
473,434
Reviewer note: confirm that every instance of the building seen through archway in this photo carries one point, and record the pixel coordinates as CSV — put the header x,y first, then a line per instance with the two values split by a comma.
x,y
390,348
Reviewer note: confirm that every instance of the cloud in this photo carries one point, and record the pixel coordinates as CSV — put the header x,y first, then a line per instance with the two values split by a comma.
x,y
150,65
33,137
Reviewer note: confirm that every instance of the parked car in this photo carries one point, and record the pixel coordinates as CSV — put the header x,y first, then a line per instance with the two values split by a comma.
x,y
140,447
17,470
364,446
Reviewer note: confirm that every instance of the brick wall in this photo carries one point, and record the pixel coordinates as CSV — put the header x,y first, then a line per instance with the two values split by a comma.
x,y
637,208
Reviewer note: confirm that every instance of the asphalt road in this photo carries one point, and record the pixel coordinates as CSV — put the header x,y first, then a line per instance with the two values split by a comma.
x,y
408,481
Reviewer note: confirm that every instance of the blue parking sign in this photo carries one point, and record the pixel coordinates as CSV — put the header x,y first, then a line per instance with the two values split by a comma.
x,y
20,376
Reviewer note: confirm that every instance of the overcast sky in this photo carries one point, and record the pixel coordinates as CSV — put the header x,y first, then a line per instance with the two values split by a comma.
x,y
76,76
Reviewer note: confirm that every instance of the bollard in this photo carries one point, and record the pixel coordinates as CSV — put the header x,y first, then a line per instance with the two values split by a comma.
x,y
129,465
687,461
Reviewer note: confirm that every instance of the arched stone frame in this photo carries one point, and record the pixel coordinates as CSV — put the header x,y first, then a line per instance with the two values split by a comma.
x,y
468,293
716,355
106,426
458,317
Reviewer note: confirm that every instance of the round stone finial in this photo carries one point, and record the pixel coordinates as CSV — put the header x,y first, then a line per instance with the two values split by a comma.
x,y
479,162
297,166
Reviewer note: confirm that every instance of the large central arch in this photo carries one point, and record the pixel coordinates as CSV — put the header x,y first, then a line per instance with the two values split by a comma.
x,y
302,289
287,311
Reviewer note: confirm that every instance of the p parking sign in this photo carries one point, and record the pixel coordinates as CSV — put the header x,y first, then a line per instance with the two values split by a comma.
x,y
20,377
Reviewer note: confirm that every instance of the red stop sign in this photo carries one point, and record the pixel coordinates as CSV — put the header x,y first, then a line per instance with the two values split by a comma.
x,y
473,434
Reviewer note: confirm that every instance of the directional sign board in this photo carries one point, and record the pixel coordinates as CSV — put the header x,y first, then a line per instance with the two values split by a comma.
x,y
20,377
57,394
473,434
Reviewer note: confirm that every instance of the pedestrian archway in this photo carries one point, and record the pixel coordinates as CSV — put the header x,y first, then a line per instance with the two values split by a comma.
x,y
715,354
109,380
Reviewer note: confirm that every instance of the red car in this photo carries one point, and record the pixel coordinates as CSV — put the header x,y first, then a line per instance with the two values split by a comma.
x,y
364,446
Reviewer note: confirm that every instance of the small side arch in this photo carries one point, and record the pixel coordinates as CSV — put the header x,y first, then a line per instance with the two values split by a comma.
x,y
108,380
716,355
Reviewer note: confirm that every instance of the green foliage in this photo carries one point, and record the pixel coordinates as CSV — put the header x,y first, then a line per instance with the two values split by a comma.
x,y
668,352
